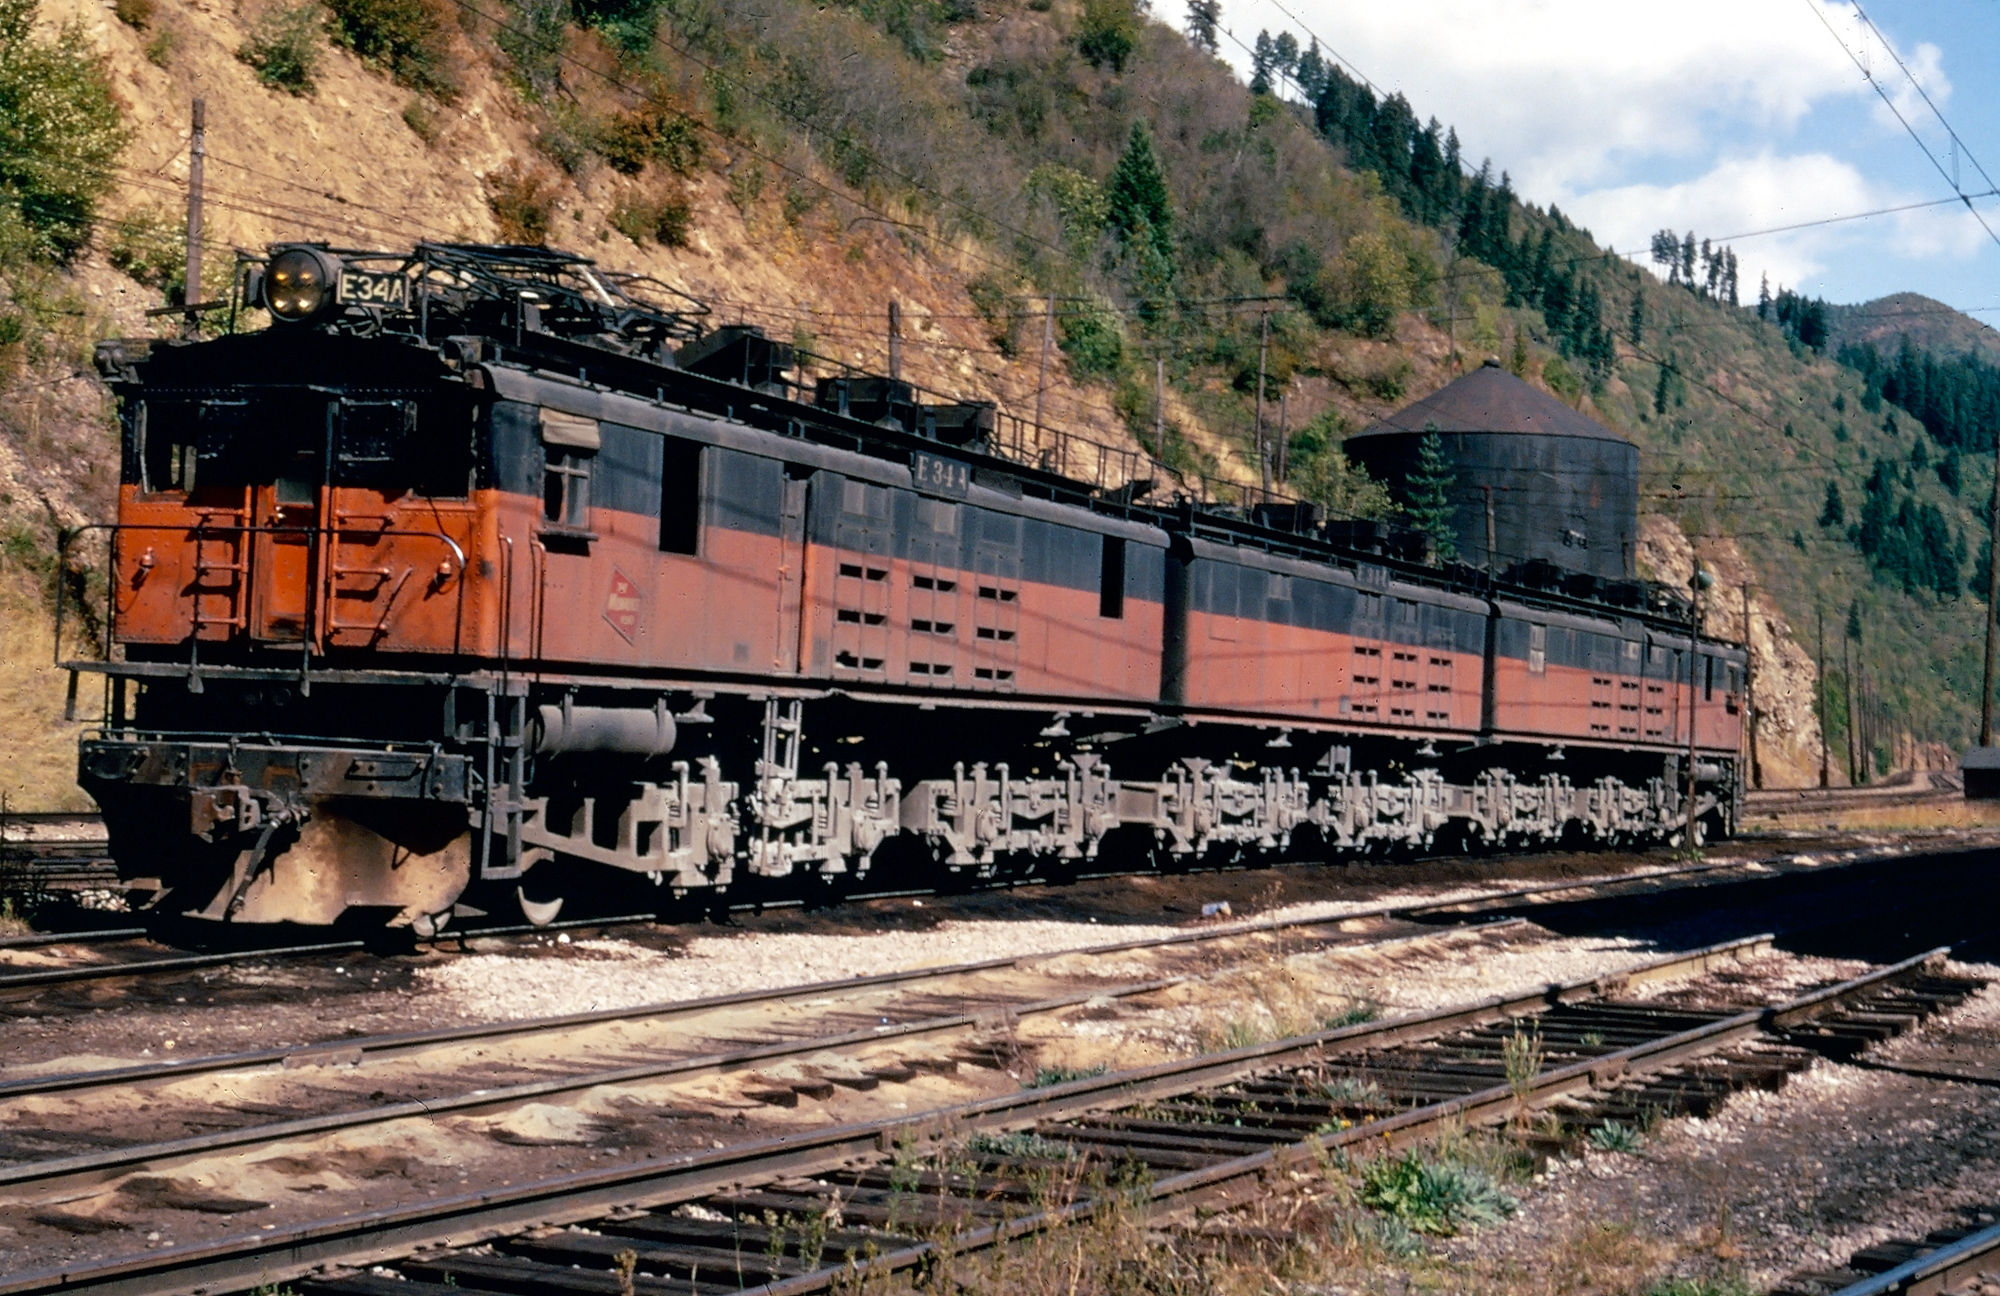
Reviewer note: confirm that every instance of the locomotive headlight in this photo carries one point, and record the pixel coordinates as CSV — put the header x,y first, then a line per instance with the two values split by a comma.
x,y
298,284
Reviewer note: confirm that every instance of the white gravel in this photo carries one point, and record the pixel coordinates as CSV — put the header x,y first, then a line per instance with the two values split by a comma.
x,y
616,974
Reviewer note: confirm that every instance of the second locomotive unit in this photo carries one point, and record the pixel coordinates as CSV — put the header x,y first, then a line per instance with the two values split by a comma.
x,y
480,576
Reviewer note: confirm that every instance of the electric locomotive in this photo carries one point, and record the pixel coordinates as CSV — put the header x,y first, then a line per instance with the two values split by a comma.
x,y
482,575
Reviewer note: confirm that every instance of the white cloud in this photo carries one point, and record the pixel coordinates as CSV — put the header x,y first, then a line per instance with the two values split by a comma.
x,y
1566,92
1746,194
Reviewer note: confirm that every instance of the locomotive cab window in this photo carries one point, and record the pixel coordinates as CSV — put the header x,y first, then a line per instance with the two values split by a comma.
x,y
569,445
1538,650
1111,578
680,497
167,454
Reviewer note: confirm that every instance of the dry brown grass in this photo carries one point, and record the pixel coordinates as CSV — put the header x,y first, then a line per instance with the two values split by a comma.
x,y
37,747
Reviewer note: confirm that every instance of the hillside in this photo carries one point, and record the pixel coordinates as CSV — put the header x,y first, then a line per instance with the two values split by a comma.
x,y
1929,324
996,169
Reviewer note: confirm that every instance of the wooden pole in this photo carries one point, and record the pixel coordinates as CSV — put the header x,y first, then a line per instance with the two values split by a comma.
x,y
1042,382
1263,353
1284,435
1992,599
1159,406
895,340
1750,690
1694,698
1821,667
1491,566
1853,713
197,153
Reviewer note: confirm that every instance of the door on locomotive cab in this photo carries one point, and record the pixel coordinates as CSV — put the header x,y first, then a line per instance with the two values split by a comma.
x,y
1366,632
792,649
860,593
1406,653
1440,650
1602,656
1630,668
1656,718
996,602
936,593
281,441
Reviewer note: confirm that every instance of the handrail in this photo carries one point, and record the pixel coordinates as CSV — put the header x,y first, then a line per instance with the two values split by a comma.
x,y
206,528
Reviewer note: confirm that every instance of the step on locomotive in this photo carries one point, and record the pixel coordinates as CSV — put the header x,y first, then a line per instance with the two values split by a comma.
x,y
484,577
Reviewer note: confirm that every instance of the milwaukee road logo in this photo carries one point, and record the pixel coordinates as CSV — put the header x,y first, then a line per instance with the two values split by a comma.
x,y
622,606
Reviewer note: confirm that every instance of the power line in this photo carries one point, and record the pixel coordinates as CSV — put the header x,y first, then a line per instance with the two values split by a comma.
x,y
1890,103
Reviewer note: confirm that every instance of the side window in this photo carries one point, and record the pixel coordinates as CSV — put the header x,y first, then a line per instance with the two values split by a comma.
x,y
1538,650
1708,685
165,431
680,497
939,517
569,444
1631,666
1111,578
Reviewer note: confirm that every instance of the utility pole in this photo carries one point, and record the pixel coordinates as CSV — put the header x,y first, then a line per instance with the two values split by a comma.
x,y
895,340
1284,435
1750,690
1992,599
1159,406
1821,667
1042,382
1487,491
1263,353
1696,584
197,153
1853,728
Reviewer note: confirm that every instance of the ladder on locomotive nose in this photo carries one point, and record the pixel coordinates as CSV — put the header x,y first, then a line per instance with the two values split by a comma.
x,y
236,570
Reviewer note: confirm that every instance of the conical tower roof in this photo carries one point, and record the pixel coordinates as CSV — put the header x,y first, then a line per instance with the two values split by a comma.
x,y
1490,400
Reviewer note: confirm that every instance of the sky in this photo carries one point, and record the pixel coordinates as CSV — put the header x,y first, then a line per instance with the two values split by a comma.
x,y
1724,117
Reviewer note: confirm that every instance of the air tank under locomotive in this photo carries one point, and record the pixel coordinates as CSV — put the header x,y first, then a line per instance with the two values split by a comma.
x,y
483,575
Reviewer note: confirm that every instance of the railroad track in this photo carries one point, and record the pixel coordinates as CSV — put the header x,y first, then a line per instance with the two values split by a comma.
x,y
791,1214
31,980
1947,1260
864,1013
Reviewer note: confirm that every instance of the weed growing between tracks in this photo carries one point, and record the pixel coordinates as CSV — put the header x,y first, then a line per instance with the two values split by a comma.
x,y
1351,1226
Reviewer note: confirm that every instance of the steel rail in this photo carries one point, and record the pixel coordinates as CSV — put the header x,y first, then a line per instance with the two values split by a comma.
x,y
356,1049
57,976
1391,1132
1938,1272
287,1253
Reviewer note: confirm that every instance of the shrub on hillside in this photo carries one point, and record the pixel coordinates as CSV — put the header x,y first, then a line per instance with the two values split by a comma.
x,y
522,202
405,38
1108,33
60,134
136,14
283,47
629,24
531,34
1091,337
656,130
666,221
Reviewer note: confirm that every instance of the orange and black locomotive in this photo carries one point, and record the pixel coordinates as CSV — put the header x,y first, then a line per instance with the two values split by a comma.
x,y
483,575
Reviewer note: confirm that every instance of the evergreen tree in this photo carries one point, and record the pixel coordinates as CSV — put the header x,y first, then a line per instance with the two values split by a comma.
x,y
1203,16
1136,199
1764,300
1660,388
1854,620
1950,472
1635,325
1429,505
1835,512
1262,58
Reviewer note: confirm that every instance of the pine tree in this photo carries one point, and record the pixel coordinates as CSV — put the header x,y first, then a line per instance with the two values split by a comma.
x,y
1835,512
1262,57
1429,506
1660,388
1203,16
1764,298
1635,326
1136,197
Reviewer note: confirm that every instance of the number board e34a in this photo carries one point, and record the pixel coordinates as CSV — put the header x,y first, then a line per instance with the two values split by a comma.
x,y
369,288
937,475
